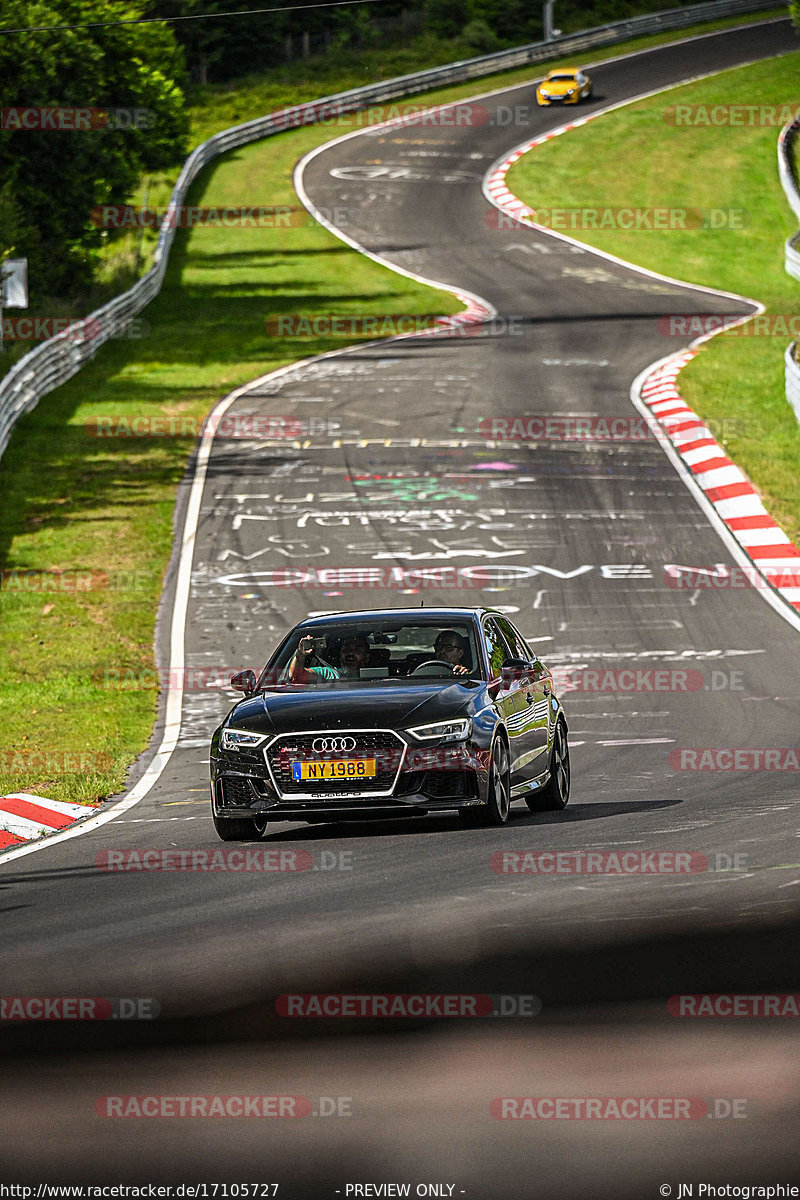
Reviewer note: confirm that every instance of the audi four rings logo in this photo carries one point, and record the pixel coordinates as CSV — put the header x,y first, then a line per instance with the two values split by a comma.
x,y
336,744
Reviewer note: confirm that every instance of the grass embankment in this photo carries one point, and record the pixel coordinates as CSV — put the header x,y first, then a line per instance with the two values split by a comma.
x,y
72,502
637,157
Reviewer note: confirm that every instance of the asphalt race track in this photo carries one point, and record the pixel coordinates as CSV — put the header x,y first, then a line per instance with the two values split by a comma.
x,y
395,473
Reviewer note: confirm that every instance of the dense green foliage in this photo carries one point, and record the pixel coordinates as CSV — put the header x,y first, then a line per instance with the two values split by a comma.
x,y
53,177
224,48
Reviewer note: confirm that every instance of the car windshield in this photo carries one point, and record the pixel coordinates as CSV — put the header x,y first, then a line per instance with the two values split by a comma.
x,y
373,652
561,78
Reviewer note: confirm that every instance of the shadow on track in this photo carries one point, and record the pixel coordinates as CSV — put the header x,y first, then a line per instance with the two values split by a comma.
x,y
409,825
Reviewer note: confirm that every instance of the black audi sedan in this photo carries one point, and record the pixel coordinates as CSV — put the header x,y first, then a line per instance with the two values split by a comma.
x,y
393,711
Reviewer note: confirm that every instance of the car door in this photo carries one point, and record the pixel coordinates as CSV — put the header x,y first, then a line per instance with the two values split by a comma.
x,y
507,697
534,704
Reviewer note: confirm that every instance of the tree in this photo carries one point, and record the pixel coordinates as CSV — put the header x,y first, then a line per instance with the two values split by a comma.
x,y
125,82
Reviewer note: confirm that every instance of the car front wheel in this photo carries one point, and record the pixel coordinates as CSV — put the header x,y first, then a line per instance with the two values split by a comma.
x,y
555,793
495,812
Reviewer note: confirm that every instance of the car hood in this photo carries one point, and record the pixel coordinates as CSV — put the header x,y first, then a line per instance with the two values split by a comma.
x,y
348,706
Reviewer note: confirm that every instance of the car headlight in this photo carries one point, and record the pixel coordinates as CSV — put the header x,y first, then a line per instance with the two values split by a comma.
x,y
443,731
240,739
571,92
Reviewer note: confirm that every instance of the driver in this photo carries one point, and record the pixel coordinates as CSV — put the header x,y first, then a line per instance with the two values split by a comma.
x,y
450,647
353,655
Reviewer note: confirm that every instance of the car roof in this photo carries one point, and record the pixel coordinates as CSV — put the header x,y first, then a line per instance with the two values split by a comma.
x,y
564,71
441,615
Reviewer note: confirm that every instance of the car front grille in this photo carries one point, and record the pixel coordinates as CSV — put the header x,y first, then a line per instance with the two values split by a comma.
x,y
382,745
242,791
439,785
237,792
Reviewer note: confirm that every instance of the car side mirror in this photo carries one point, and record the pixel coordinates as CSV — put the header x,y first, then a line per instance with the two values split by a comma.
x,y
514,669
245,682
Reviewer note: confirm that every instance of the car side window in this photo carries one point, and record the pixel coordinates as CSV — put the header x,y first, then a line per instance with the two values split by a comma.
x,y
519,647
496,648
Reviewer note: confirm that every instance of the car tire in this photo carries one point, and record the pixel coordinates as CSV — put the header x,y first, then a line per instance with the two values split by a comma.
x,y
495,811
554,796
239,829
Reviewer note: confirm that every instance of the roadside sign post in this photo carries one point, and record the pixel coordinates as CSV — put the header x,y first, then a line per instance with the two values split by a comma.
x,y
13,287
547,19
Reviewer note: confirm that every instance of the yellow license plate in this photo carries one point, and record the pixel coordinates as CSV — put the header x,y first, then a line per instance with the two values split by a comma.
x,y
350,768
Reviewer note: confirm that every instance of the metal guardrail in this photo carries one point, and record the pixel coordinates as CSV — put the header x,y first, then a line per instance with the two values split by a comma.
x,y
790,189
792,377
791,250
792,255
785,168
61,357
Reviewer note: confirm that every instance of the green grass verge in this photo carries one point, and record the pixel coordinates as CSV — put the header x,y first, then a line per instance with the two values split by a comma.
x,y
73,502
636,157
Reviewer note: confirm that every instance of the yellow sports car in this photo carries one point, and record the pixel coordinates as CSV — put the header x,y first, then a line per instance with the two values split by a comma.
x,y
566,85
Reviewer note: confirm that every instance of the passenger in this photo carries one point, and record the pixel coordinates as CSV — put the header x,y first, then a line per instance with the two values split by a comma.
x,y
353,655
